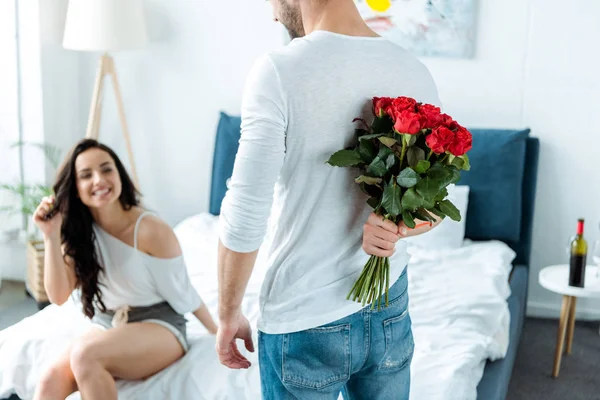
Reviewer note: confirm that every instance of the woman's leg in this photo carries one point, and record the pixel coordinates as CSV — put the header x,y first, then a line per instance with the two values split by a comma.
x,y
58,381
133,351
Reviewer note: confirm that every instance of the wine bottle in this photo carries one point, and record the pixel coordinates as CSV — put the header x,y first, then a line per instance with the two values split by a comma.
x,y
578,257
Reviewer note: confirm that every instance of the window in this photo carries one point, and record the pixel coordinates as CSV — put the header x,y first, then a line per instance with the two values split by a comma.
x,y
9,112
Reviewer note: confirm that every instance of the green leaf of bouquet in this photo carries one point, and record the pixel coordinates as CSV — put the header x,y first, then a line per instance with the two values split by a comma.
x,y
422,166
455,176
383,124
428,187
428,203
367,151
390,161
442,194
414,154
369,180
377,167
411,200
467,162
450,210
423,215
373,202
408,178
437,212
387,141
360,132
458,162
345,158
371,136
408,219
408,140
392,198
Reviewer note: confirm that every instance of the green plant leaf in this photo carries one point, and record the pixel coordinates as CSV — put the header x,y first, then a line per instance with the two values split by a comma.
x,y
345,158
411,200
373,202
377,167
450,210
467,162
51,153
383,124
360,132
369,180
422,166
439,172
423,215
408,219
428,187
390,161
371,136
408,178
458,162
437,212
391,199
442,194
414,154
367,151
408,139
387,141
455,176
428,203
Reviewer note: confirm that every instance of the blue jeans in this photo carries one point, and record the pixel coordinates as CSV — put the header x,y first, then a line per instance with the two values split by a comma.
x,y
366,355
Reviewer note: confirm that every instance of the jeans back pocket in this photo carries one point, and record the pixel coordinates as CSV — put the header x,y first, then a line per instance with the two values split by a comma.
x,y
399,343
317,358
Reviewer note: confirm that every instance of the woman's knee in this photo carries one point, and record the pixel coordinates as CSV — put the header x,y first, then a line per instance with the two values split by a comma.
x,y
84,359
55,382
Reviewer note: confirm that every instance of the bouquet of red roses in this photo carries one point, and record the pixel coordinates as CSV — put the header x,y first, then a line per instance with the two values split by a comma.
x,y
407,155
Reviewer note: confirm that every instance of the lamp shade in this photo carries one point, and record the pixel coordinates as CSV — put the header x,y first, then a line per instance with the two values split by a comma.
x,y
105,25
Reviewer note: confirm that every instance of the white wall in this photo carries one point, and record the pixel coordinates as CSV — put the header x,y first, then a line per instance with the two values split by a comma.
x,y
195,66
63,112
537,66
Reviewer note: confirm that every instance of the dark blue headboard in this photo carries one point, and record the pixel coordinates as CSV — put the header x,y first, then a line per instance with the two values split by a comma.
x,y
502,182
226,146
523,246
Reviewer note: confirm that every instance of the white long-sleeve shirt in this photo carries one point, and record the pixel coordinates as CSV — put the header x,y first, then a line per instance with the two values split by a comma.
x,y
297,110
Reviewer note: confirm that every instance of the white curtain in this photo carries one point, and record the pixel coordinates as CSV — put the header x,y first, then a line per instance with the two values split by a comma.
x,y
9,117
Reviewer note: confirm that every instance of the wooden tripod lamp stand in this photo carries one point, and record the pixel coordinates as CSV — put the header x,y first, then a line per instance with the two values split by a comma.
x,y
106,26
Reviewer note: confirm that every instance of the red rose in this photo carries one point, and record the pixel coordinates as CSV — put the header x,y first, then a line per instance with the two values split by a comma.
x,y
407,122
463,142
440,139
398,105
380,104
431,116
448,122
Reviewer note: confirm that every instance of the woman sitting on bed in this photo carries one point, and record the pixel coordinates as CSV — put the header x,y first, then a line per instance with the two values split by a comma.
x,y
129,268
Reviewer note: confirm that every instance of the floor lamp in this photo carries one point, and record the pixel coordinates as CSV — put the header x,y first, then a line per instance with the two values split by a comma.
x,y
106,26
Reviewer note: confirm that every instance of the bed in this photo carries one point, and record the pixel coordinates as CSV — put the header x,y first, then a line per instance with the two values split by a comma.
x,y
466,335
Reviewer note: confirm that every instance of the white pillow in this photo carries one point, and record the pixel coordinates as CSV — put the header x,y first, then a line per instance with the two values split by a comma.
x,y
449,234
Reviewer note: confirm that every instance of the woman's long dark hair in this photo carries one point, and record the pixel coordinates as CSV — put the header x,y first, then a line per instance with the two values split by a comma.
x,y
77,233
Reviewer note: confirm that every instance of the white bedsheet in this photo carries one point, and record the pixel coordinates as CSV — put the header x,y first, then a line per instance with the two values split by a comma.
x,y
457,304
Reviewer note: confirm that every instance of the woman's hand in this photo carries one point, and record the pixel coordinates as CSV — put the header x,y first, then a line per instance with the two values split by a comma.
x,y
206,319
47,223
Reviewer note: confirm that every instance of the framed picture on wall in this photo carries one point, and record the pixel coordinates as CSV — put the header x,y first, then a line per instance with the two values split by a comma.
x,y
434,28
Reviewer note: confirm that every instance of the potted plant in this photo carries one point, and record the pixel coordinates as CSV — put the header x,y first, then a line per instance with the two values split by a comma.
x,y
28,198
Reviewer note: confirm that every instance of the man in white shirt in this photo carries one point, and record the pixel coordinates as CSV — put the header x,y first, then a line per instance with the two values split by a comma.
x,y
298,107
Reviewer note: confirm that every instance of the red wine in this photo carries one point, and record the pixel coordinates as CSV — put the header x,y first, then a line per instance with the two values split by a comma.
x,y
578,258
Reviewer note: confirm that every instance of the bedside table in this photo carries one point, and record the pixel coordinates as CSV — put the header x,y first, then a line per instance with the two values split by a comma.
x,y
556,279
